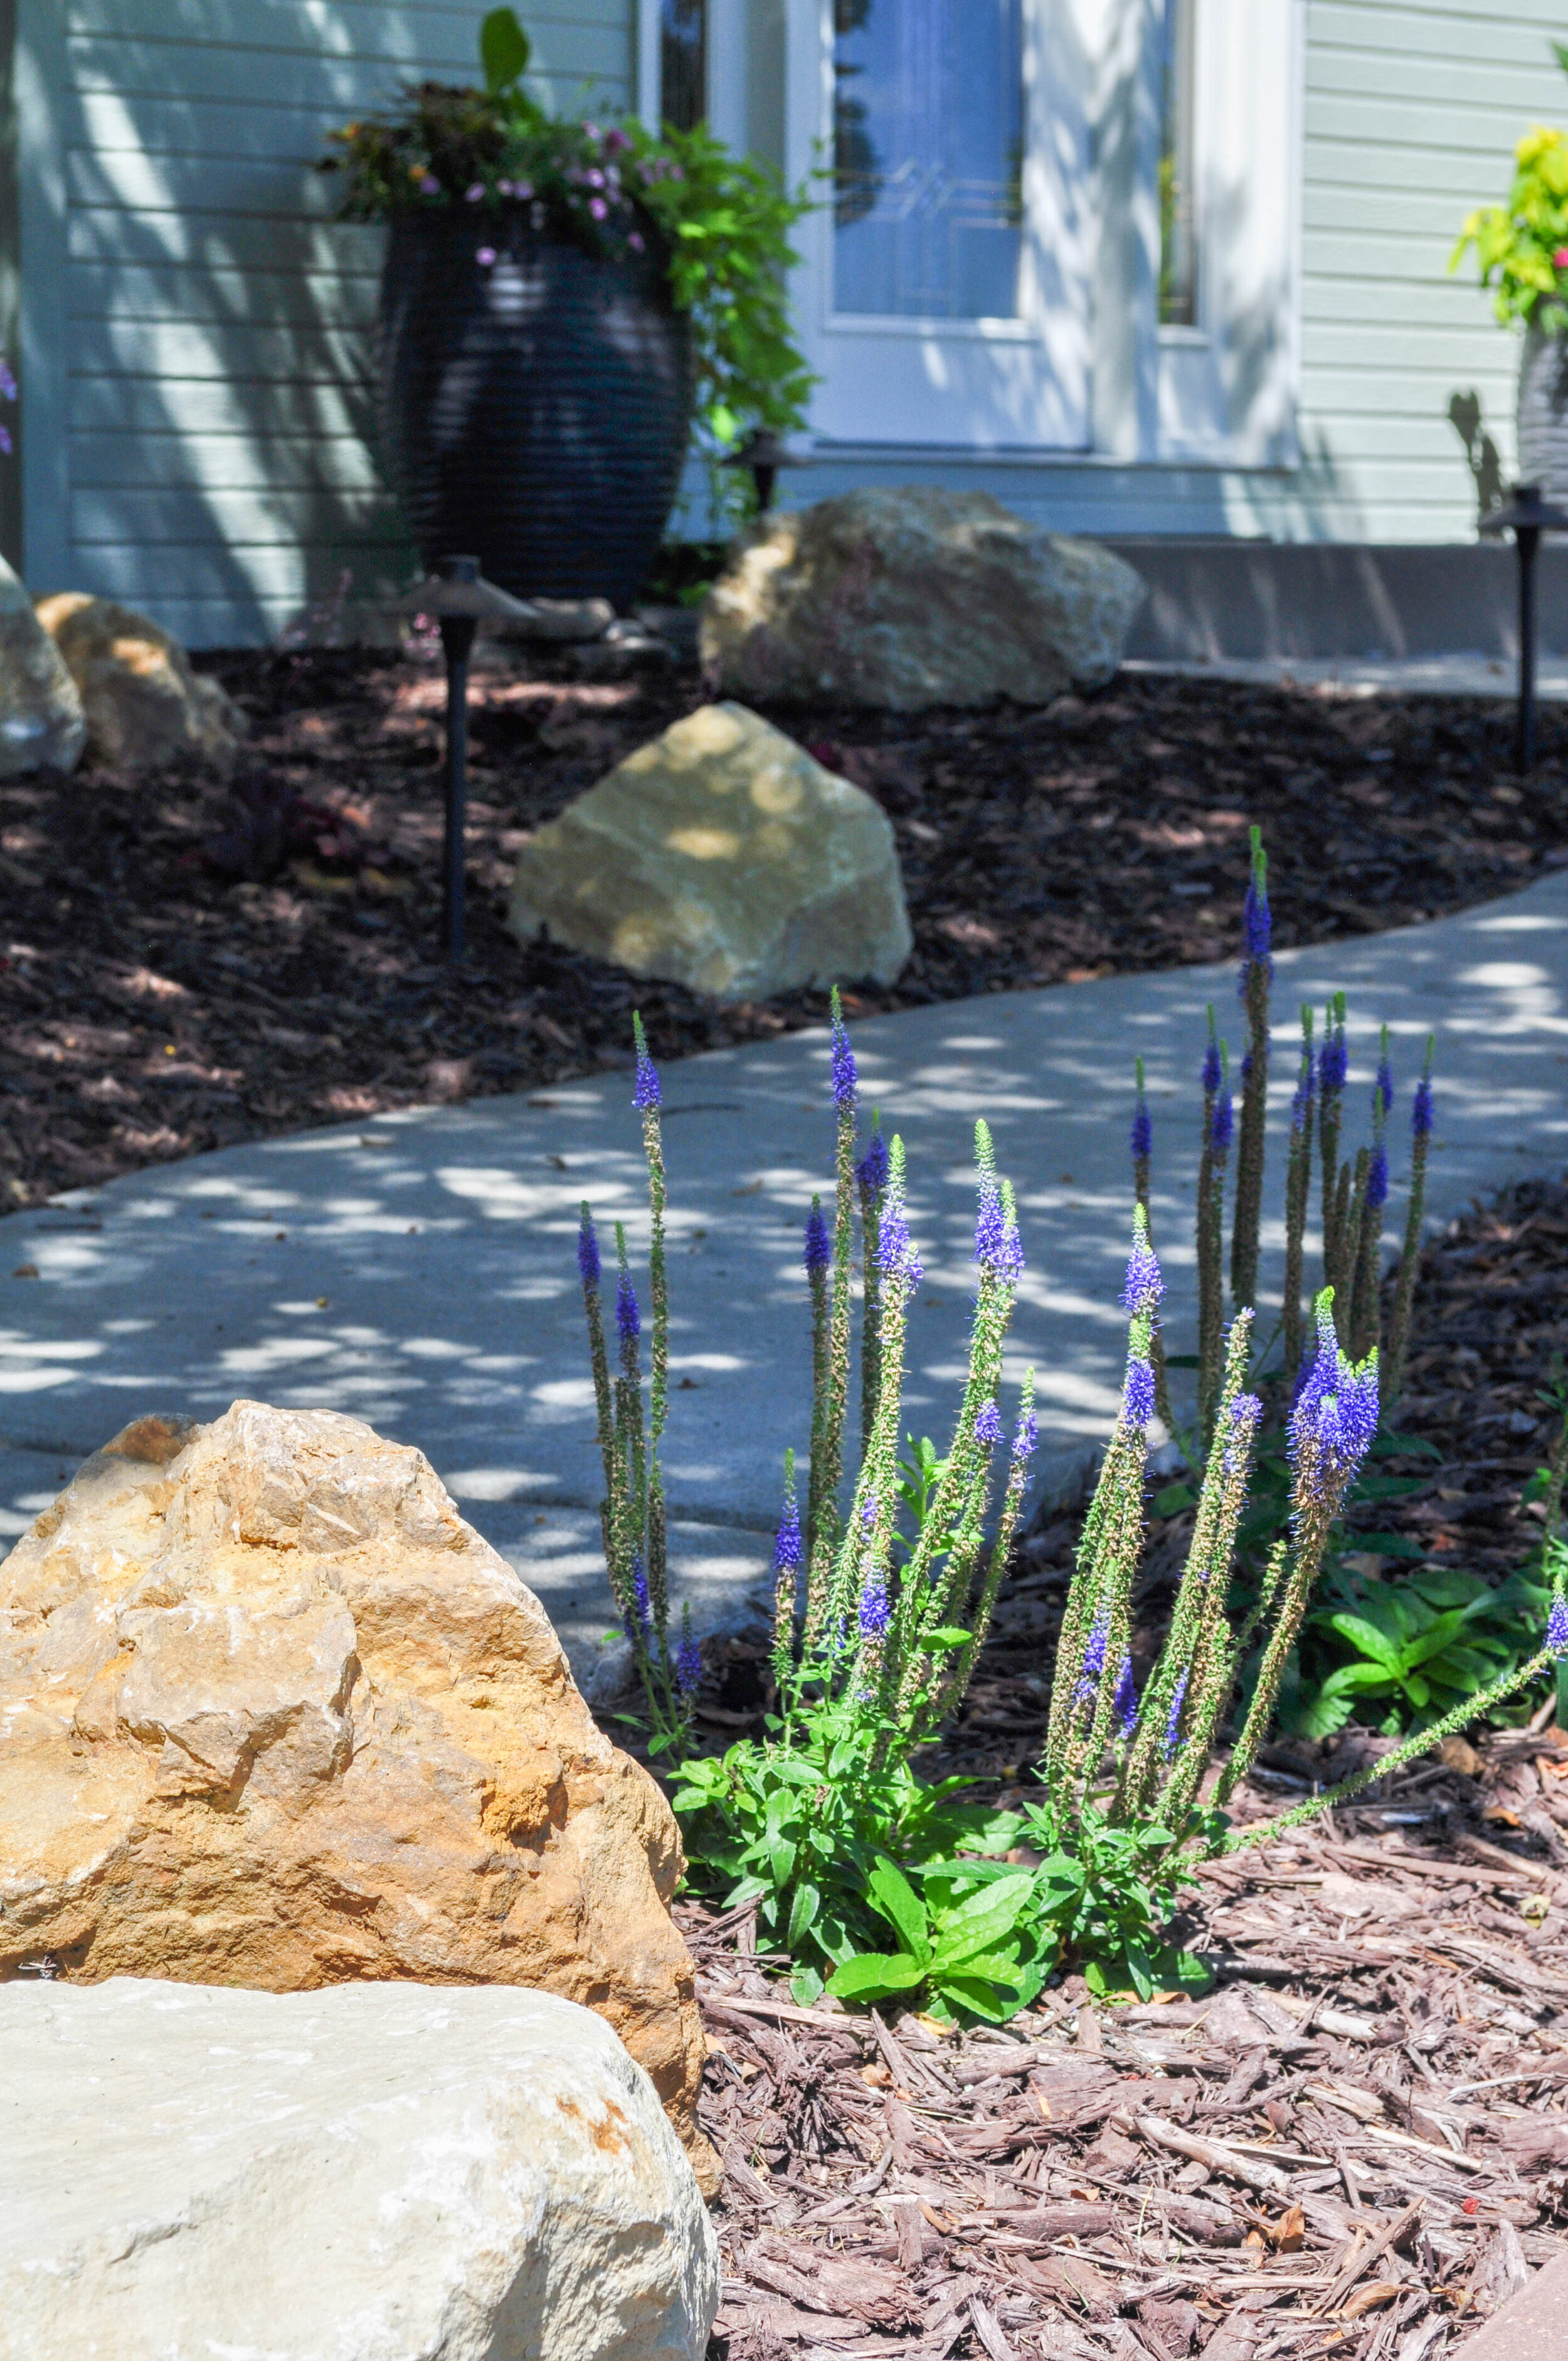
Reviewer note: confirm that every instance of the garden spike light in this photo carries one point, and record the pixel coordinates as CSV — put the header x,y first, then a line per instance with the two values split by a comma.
x,y
458,597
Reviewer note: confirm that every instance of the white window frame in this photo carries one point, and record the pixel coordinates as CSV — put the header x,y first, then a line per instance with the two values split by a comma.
x,y
1220,393
1227,387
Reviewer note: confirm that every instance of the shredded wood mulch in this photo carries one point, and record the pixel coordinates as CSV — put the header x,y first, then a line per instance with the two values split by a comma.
x,y
188,961
1357,2147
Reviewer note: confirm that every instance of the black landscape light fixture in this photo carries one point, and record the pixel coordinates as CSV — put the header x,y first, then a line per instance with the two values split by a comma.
x,y
460,598
1527,516
764,452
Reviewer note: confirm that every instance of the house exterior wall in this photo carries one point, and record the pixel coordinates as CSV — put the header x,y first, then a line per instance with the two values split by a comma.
x,y
1410,110
197,431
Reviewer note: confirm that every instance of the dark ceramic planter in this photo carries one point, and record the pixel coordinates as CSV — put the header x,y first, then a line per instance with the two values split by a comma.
x,y
534,409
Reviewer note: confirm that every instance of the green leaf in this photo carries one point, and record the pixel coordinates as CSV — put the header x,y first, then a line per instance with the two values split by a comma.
x,y
874,1973
805,1985
947,1636
504,50
1174,1497
891,1894
803,1912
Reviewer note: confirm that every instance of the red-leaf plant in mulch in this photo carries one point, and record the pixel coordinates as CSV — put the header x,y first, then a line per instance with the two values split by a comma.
x,y
1356,2146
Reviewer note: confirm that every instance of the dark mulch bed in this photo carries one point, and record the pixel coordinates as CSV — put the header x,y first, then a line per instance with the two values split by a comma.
x,y
184,964
1047,2189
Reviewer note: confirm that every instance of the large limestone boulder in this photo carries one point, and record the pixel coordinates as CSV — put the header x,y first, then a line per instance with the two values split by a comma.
x,y
41,722
142,701
721,857
272,1714
912,597
370,2174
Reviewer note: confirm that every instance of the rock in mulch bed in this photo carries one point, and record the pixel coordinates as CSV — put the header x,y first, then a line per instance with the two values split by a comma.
x,y
187,962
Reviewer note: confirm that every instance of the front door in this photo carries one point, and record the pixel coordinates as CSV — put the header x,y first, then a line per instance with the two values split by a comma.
x,y
944,292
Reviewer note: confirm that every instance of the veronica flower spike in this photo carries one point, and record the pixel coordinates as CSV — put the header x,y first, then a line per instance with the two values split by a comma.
x,y
645,1093
844,1076
1256,922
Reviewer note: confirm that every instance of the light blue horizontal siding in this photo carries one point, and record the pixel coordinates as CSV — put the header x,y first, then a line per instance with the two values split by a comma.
x,y
219,403
1412,108
216,318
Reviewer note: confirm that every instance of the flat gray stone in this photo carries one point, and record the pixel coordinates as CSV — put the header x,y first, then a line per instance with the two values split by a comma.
x,y
443,1239
372,2172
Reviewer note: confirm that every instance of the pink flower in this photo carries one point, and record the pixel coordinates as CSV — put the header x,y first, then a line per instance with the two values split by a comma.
x,y
597,207
524,189
430,186
485,256
634,241
590,131
594,177
615,139
473,191
1560,260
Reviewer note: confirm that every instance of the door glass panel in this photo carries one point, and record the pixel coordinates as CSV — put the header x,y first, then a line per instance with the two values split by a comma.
x,y
683,63
927,157
1177,227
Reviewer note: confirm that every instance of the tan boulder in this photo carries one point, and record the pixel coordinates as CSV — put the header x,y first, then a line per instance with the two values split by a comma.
x,y
271,1714
913,597
722,857
41,722
142,700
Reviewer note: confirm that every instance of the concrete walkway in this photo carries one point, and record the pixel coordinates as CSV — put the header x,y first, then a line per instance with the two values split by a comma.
x,y
1472,674
419,1270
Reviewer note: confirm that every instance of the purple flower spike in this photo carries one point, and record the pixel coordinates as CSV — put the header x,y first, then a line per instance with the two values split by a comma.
x,y
1125,1702
641,1618
688,1664
1420,1111
1212,1069
1306,1091
1223,1124
1173,1725
876,1613
818,1247
788,1548
1333,1060
1138,1399
1093,1663
1377,1177
1010,1261
628,1319
987,1425
1145,1282
645,1093
843,1065
990,1224
1259,926
1556,1640
871,1171
587,1253
7,383
1026,1437
1383,1089
896,1256
1143,1133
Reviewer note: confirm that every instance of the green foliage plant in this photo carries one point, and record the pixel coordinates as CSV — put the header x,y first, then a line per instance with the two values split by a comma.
x,y
715,226
883,1599
876,1880
1521,248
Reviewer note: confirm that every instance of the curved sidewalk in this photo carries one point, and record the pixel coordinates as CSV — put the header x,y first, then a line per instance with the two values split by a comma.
x,y
419,1270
